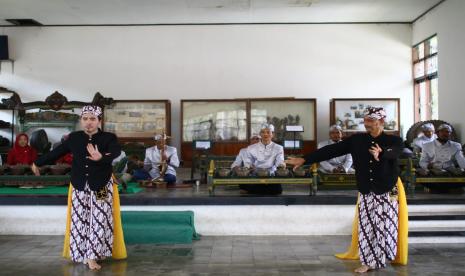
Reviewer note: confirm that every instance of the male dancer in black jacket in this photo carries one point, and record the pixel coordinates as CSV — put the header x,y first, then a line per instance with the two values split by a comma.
x,y
375,157
91,231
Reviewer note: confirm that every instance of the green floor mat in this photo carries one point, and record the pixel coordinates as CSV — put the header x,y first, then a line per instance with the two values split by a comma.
x,y
133,188
163,227
57,190
51,190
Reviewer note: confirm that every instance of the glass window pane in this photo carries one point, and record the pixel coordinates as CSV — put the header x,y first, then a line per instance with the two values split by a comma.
x,y
434,99
432,65
282,113
217,121
419,69
433,45
423,102
420,50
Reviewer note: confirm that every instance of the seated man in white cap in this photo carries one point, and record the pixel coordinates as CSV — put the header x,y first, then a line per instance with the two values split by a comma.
x,y
265,155
159,155
439,156
427,136
340,164
239,161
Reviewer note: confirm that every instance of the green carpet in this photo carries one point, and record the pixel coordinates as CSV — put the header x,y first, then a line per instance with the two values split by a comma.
x,y
50,190
133,188
158,227
57,190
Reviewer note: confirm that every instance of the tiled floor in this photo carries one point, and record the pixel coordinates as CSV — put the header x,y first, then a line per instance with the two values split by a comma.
x,y
274,255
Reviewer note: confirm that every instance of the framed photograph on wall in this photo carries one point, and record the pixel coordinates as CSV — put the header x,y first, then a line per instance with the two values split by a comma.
x,y
137,118
348,113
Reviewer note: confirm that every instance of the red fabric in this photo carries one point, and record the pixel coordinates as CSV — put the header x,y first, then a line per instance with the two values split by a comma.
x,y
21,155
67,159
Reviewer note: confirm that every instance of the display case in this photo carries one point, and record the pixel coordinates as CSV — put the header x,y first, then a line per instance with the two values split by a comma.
x,y
216,120
229,123
348,113
223,122
282,113
137,120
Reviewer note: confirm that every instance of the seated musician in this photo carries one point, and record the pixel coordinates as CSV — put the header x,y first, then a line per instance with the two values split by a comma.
x,y
239,162
427,136
265,155
440,155
341,164
161,160
135,168
118,159
22,152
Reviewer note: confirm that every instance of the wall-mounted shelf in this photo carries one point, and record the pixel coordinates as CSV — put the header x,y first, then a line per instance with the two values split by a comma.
x,y
70,125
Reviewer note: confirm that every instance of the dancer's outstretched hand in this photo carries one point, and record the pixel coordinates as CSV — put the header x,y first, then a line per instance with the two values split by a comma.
x,y
35,170
95,155
295,161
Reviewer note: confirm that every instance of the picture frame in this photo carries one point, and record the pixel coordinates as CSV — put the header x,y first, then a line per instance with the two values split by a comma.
x,y
138,119
348,113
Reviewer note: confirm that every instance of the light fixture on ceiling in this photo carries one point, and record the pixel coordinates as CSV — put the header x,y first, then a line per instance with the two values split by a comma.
x,y
24,22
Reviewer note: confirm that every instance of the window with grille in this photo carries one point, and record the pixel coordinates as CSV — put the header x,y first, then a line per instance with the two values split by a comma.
x,y
425,78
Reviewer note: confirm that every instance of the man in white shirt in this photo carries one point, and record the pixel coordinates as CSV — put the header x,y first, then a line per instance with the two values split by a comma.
x,y
427,136
159,154
340,164
239,162
439,156
265,155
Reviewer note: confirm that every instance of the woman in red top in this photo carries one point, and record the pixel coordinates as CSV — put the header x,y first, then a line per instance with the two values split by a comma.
x,y
21,153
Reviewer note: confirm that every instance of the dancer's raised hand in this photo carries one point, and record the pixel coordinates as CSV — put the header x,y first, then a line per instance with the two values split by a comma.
x,y
95,155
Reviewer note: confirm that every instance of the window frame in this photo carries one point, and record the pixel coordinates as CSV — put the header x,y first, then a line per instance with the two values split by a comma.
x,y
425,78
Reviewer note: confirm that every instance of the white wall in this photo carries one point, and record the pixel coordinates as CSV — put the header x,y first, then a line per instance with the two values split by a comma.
x,y
192,62
228,220
448,22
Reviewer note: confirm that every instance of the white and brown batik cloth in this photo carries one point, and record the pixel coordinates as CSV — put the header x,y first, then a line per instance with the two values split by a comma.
x,y
91,231
377,228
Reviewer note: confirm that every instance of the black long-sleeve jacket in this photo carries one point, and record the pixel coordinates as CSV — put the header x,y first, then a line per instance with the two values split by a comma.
x,y
95,173
372,176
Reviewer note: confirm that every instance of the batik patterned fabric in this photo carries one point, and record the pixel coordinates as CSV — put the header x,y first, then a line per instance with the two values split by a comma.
x,y
377,229
376,113
92,109
91,229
